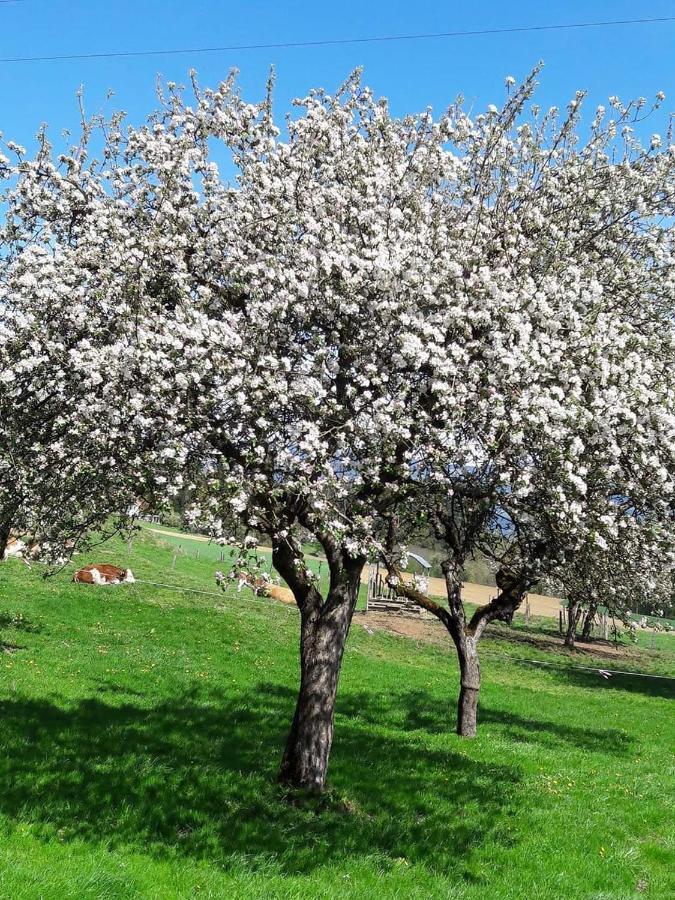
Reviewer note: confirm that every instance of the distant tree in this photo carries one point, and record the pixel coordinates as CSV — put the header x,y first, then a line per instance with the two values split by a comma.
x,y
559,326
86,336
618,574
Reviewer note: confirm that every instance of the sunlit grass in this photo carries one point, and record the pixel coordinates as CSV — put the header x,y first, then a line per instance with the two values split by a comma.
x,y
141,728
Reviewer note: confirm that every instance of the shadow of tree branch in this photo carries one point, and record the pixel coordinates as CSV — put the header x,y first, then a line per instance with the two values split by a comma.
x,y
420,712
196,777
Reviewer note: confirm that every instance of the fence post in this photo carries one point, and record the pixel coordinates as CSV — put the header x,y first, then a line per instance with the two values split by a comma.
x,y
173,562
527,609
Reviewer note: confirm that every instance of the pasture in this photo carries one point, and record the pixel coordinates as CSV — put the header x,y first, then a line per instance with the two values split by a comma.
x,y
142,727
199,546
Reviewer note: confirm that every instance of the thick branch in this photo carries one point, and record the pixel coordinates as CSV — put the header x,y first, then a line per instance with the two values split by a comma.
x,y
285,558
404,589
512,591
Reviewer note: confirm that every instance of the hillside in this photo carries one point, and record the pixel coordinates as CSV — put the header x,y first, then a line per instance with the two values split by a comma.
x,y
472,592
142,726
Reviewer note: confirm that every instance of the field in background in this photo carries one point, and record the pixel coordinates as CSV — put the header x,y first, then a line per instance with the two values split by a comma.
x,y
541,605
142,726
195,546
477,594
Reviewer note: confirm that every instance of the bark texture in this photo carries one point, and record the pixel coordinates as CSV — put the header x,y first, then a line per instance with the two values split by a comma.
x,y
5,530
324,630
305,761
465,636
467,706
573,616
506,615
588,621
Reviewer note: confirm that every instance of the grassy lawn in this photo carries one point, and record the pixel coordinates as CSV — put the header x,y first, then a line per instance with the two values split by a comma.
x,y
187,548
141,728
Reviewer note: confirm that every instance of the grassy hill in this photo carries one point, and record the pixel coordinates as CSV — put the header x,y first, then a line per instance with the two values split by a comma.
x,y
141,727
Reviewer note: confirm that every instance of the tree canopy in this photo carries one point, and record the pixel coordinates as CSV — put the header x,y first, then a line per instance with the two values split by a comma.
x,y
464,321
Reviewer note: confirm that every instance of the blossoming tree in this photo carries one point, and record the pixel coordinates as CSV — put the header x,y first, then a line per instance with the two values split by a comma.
x,y
563,304
274,315
319,258
381,318
87,336
630,570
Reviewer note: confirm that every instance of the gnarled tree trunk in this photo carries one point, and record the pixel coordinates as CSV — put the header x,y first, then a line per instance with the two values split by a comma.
x,y
305,760
5,530
588,621
465,640
512,589
465,635
506,616
324,630
573,614
469,670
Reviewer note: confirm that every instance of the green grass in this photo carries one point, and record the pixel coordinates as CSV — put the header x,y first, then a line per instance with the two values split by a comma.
x,y
187,548
141,728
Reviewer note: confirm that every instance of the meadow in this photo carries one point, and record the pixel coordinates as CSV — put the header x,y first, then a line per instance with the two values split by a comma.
x,y
141,728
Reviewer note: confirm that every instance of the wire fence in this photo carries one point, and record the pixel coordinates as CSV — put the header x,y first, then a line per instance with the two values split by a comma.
x,y
602,672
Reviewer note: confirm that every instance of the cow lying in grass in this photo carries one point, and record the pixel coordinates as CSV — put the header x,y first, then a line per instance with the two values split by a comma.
x,y
261,585
18,549
103,574
15,548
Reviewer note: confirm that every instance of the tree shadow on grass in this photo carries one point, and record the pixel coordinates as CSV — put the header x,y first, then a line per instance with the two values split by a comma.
x,y
634,684
421,712
521,728
590,677
588,653
18,622
196,777
15,622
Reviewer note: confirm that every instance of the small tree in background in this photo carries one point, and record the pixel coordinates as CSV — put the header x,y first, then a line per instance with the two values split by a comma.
x,y
88,333
565,263
631,570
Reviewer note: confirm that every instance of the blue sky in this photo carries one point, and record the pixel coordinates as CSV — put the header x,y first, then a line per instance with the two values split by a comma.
x,y
629,61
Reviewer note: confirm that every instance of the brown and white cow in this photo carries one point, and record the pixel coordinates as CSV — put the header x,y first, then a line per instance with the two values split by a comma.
x,y
18,549
15,548
103,574
261,585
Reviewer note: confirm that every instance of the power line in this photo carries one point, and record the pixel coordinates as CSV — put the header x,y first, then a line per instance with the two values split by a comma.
x,y
334,42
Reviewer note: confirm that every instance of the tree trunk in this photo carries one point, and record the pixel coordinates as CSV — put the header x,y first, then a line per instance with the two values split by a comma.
x,y
323,635
5,529
573,613
469,668
588,621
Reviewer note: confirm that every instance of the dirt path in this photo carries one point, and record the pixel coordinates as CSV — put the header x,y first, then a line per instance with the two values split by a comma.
x,y
431,631
180,534
480,594
207,540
